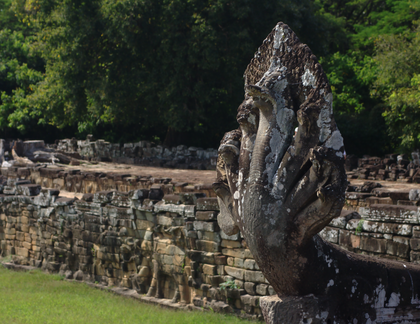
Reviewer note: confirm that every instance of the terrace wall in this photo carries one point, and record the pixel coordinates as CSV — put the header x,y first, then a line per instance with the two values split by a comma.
x,y
169,249
163,240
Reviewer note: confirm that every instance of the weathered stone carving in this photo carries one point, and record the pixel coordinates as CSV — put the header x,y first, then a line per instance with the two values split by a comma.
x,y
280,188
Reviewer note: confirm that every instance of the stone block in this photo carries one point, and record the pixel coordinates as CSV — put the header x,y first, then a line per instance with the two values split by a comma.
x,y
220,259
416,231
208,236
22,252
415,257
355,241
250,288
261,289
207,204
103,197
23,220
20,236
163,220
10,231
231,244
372,244
209,269
188,198
206,226
393,213
235,262
399,246
330,234
25,228
189,211
172,199
221,270
171,208
148,235
207,246
235,272
239,283
236,253
174,250
207,257
250,264
206,215
255,276
415,244
233,237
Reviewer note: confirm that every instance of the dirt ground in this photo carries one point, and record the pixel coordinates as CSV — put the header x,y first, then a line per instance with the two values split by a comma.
x,y
196,176
177,175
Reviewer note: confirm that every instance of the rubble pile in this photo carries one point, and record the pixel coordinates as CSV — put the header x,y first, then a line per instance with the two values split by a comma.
x,y
391,168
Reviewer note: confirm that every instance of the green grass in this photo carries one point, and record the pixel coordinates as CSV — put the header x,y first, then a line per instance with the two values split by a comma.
x,y
34,297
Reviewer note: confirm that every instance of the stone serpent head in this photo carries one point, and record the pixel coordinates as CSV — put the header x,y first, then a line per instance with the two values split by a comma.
x,y
278,187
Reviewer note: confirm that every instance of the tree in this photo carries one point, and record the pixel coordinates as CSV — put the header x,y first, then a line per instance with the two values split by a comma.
x,y
353,72
157,67
399,83
20,69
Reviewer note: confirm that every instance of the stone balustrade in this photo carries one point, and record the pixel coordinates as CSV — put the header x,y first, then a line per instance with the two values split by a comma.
x,y
383,223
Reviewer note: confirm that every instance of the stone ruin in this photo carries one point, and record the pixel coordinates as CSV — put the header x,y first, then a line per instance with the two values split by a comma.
x,y
280,188
160,241
141,153
74,152
393,167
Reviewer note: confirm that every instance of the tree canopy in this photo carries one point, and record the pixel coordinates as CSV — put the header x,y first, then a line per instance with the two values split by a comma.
x,y
171,70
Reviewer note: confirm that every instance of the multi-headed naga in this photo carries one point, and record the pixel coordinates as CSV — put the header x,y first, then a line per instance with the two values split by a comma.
x,y
281,179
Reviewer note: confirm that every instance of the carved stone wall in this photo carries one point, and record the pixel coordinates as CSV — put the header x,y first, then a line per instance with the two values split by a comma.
x,y
169,249
382,222
162,239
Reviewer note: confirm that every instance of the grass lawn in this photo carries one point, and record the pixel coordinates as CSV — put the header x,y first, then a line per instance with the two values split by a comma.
x,y
34,297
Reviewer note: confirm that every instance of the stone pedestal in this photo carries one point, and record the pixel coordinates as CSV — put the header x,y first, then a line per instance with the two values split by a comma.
x,y
292,310
323,310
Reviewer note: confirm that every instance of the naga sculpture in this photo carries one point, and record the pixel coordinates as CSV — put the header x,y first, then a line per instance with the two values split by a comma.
x,y
280,188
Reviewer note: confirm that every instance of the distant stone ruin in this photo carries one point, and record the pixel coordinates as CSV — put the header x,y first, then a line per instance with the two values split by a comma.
x,y
72,151
393,167
140,153
280,188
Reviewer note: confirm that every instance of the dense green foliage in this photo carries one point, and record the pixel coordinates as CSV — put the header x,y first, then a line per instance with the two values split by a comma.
x,y
358,74
35,297
172,69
